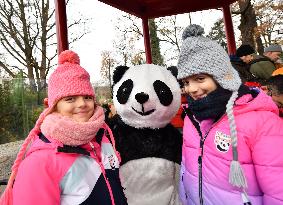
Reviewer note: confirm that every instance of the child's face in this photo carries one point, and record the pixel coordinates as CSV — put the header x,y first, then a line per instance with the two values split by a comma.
x,y
79,108
199,86
278,99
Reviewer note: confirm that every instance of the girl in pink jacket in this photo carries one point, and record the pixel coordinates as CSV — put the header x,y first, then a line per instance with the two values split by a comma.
x,y
232,135
69,157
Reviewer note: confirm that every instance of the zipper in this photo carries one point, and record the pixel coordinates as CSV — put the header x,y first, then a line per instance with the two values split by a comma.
x,y
92,149
196,124
200,157
104,174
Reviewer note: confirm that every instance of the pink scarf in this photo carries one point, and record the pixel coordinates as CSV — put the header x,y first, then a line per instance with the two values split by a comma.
x,y
69,132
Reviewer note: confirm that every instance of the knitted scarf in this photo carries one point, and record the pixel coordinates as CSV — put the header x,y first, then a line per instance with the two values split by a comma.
x,y
213,106
65,130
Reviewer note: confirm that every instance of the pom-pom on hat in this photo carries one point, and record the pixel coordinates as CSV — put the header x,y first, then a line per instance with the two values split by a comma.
x,y
244,50
203,55
69,79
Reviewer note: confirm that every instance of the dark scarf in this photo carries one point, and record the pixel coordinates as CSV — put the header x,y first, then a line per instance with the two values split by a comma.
x,y
213,106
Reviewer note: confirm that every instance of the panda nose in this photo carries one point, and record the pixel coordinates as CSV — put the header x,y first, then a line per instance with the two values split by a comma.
x,y
141,97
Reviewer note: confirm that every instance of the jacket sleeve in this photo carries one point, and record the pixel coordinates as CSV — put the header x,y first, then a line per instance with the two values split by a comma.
x,y
262,69
268,158
36,181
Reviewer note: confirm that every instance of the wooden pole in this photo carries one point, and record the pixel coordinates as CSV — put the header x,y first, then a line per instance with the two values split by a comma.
x,y
229,31
61,26
146,40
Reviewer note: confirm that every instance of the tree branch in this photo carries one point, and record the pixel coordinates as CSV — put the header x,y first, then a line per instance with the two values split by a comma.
x,y
7,69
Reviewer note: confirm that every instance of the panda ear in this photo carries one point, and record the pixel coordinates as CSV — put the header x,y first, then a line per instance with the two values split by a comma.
x,y
173,70
119,72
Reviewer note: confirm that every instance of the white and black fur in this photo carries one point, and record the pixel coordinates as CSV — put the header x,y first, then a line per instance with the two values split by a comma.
x,y
146,98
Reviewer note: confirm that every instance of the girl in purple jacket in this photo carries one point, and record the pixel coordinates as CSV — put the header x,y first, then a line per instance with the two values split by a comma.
x,y
232,136
69,157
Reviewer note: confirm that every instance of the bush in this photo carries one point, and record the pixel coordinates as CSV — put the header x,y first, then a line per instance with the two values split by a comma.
x,y
19,109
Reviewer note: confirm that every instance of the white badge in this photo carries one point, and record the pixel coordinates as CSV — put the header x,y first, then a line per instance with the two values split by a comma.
x,y
222,141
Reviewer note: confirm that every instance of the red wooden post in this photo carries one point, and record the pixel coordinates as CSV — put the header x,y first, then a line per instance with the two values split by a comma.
x,y
146,40
229,31
61,26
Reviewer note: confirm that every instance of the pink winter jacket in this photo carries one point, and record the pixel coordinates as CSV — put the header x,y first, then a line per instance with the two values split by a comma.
x,y
260,146
53,174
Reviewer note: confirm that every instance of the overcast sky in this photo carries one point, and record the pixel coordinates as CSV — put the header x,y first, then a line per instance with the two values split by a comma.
x,y
102,30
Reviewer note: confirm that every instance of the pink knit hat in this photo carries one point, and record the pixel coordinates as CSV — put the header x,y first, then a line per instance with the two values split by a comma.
x,y
69,79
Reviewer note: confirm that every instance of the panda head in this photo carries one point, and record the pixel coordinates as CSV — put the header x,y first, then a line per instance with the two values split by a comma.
x,y
146,96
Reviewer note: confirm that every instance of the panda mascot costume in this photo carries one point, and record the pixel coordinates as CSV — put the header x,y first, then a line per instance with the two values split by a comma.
x,y
146,98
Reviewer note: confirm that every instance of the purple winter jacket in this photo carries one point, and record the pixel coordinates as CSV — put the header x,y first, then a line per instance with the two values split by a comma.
x,y
260,146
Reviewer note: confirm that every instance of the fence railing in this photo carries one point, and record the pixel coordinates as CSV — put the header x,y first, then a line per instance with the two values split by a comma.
x,y
21,102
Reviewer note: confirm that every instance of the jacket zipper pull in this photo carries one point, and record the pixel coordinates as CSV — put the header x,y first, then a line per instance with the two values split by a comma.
x,y
92,147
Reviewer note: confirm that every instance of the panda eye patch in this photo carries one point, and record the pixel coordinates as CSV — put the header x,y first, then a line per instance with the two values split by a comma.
x,y
163,92
124,91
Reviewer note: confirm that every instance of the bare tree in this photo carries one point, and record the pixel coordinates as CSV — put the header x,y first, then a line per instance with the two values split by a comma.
x,y
107,64
270,19
138,58
248,23
25,29
128,33
27,34
5,67
170,35
167,31
259,20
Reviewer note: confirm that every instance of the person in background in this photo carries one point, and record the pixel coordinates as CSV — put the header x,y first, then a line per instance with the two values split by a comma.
x,y
242,68
260,67
278,71
274,88
178,120
67,157
109,111
232,136
273,52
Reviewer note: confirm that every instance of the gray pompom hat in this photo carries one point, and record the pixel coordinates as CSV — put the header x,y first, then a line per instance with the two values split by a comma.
x,y
202,55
